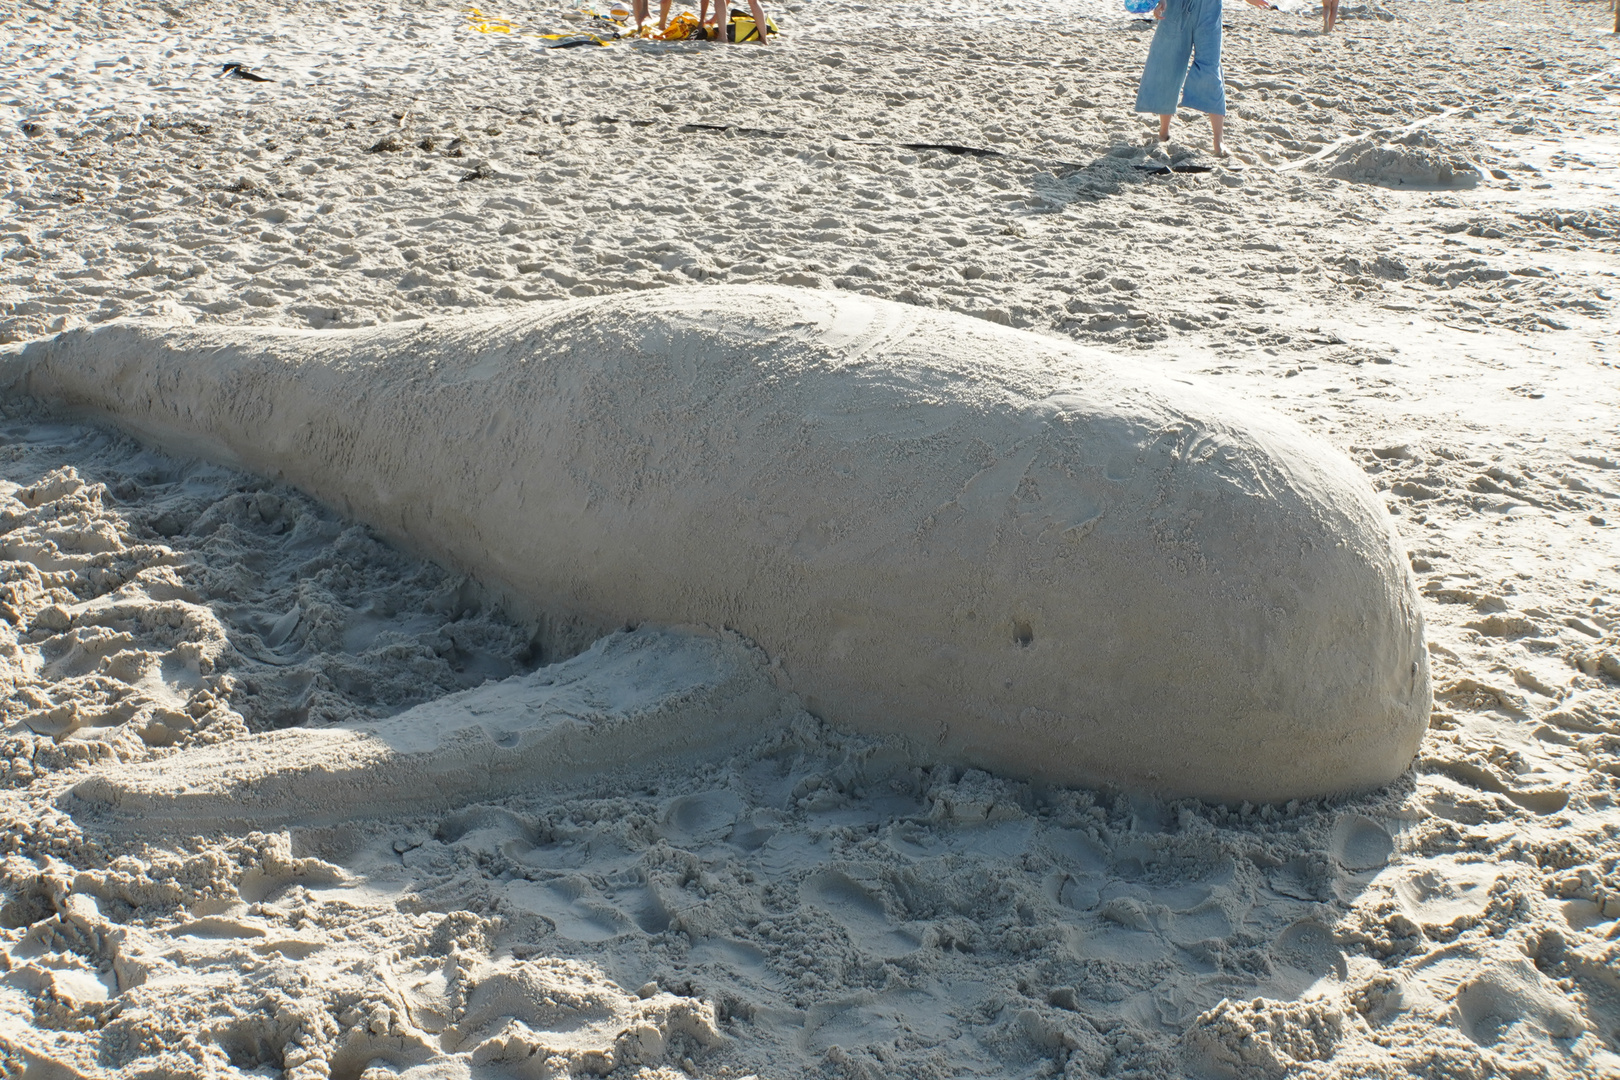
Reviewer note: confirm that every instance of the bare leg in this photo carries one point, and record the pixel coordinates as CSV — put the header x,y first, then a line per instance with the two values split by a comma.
x,y
1164,128
663,15
1215,124
640,7
759,19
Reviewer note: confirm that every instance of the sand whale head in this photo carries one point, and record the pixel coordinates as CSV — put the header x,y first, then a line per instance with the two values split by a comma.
x,y
1018,553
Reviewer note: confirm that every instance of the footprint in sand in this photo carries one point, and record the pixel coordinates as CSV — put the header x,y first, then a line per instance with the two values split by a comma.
x,y
1360,843
704,818
1206,922
1304,955
1130,929
1446,892
1513,994
488,828
1077,850
858,911
737,957
573,906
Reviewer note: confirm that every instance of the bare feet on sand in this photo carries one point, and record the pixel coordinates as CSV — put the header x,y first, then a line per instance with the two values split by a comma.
x,y
1216,124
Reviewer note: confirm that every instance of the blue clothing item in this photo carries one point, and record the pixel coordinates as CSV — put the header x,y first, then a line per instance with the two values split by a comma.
x,y
1189,28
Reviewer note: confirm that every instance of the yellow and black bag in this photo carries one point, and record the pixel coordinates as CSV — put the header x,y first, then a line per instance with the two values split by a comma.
x,y
741,27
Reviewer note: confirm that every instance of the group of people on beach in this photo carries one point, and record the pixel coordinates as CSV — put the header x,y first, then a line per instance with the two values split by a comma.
x,y
1184,59
761,33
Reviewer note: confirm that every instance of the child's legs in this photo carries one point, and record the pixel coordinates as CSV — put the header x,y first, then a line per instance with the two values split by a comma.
x,y
1166,66
759,18
1205,89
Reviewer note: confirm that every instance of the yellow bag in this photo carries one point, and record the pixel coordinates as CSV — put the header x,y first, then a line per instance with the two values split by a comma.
x,y
742,28
683,27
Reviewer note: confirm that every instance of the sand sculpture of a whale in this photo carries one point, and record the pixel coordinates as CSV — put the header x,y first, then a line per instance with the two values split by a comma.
x,y
1022,554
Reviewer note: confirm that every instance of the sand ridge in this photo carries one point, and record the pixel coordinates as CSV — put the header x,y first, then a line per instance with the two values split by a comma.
x,y
632,699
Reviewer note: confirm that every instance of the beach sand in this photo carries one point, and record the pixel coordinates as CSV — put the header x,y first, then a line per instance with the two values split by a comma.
x,y
1412,251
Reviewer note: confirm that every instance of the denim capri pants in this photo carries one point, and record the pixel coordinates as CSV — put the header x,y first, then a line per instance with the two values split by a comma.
x,y
1189,28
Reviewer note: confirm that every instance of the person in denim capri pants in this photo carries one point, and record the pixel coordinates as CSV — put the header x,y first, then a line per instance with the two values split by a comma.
x,y
1186,28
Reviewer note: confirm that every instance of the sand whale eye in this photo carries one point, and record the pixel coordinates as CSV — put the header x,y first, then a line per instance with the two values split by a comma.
x,y
1222,610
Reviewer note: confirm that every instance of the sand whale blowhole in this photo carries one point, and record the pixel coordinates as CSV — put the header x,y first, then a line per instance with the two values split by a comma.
x,y
1017,553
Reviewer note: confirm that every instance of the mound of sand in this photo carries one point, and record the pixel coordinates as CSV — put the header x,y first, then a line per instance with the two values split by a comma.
x,y
1018,554
1415,159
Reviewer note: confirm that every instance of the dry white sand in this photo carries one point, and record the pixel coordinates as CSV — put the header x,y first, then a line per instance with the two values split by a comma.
x,y
810,904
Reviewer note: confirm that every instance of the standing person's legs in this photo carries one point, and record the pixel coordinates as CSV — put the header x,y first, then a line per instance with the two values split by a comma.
x,y
640,7
759,19
1166,66
663,15
1205,88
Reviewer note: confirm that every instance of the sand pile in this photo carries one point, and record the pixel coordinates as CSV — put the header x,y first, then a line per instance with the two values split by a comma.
x,y
1413,159
824,905
964,535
